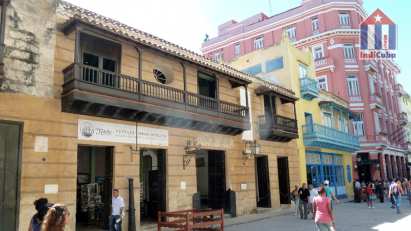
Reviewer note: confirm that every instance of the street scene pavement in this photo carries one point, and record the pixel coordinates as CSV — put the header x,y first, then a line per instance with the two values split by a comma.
x,y
349,217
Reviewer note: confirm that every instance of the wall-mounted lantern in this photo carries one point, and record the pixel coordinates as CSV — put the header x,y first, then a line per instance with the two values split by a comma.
x,y
251,149
191,148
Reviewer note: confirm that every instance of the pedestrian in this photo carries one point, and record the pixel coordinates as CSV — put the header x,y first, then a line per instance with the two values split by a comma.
x,y
391,195
41,206
313,194
303,193
117,211
295,200
379,191
56,219
323,214
371,195
330,194
396,191
357,191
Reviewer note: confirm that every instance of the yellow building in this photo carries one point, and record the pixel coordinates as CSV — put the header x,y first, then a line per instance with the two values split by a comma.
x,y
324,143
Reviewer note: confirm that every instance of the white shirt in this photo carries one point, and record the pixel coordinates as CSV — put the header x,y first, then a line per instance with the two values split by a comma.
x,y
313,193
116,204
357,185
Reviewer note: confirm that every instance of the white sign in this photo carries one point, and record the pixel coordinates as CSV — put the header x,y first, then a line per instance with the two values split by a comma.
x,y
243,186
51,188
41,144
121,133
183,185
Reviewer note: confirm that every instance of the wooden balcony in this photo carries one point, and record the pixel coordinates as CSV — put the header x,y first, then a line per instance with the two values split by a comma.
x,y
91,91
277,128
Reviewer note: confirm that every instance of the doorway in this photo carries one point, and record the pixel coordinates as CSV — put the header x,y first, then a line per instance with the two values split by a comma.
x,y
283,180
153,183
211,184
10,134
263,182
94,187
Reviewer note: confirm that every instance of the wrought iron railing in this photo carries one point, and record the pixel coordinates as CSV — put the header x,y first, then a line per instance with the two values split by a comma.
x,y
107,79
308,85
330,134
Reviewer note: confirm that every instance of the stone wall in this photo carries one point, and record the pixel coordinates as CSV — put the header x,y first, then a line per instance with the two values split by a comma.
x,y
29,47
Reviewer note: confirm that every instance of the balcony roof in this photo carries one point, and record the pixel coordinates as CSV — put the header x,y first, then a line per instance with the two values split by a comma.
x,y
78,14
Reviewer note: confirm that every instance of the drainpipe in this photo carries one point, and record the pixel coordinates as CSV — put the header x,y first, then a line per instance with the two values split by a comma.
x,y
3,13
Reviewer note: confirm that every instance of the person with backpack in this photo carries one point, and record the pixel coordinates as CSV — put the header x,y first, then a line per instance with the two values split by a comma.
x,y
41,206
395,192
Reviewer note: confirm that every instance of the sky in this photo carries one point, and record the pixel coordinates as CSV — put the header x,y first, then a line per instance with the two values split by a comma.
x,y
185,22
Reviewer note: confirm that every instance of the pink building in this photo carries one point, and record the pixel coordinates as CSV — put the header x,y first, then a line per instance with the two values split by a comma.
x,y
330,29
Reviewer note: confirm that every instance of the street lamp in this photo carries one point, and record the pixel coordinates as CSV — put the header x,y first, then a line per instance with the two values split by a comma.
x,y
251,148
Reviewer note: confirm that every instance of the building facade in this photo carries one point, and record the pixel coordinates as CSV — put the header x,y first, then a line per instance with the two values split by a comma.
x,y
330,30
405,120
325,136
88,104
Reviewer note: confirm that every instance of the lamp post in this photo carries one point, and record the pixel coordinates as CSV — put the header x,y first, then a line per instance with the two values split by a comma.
x,y
251,149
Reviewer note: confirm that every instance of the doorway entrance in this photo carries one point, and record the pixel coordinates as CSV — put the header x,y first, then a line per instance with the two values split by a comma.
x,y
283,180
94,187
211,184
9,174
153,183
263,182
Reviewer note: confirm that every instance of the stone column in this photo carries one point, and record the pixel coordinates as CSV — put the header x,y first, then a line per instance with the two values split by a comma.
x,y
388,166
399,166
394,167
383,173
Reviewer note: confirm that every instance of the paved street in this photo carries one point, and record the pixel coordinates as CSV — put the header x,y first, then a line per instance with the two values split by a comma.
x,y
350,217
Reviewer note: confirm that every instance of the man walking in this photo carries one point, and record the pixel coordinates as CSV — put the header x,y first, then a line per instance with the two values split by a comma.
x,y
304,193
117,211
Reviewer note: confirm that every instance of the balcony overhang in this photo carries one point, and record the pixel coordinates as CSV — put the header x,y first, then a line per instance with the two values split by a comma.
x,y
308,88
278,128
136,100
264,90
325,137
332,105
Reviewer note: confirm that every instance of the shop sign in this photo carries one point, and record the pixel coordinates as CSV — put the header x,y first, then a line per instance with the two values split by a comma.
x,y
121,133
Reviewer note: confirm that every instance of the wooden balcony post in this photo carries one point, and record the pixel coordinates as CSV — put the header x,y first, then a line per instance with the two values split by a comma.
x,y
184,83
140,71
246,101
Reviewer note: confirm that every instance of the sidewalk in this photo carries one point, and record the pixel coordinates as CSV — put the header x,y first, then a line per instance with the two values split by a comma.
x,y
267,214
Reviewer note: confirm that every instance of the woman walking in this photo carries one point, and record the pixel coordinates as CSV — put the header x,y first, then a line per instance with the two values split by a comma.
x,y
56,219
371,195
41,206
295,199
323,215
395,192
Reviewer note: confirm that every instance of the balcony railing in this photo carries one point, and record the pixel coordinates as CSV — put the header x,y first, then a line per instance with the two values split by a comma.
x,y
323,136
403,118
308,88
89,79
278,128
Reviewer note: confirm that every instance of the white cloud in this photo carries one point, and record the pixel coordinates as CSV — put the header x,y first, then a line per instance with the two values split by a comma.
x,y
183,22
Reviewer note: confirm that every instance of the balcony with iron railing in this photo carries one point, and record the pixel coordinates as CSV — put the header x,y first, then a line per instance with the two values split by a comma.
x,y
403,118
92,91
322,136
308,88
277,128
324,63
